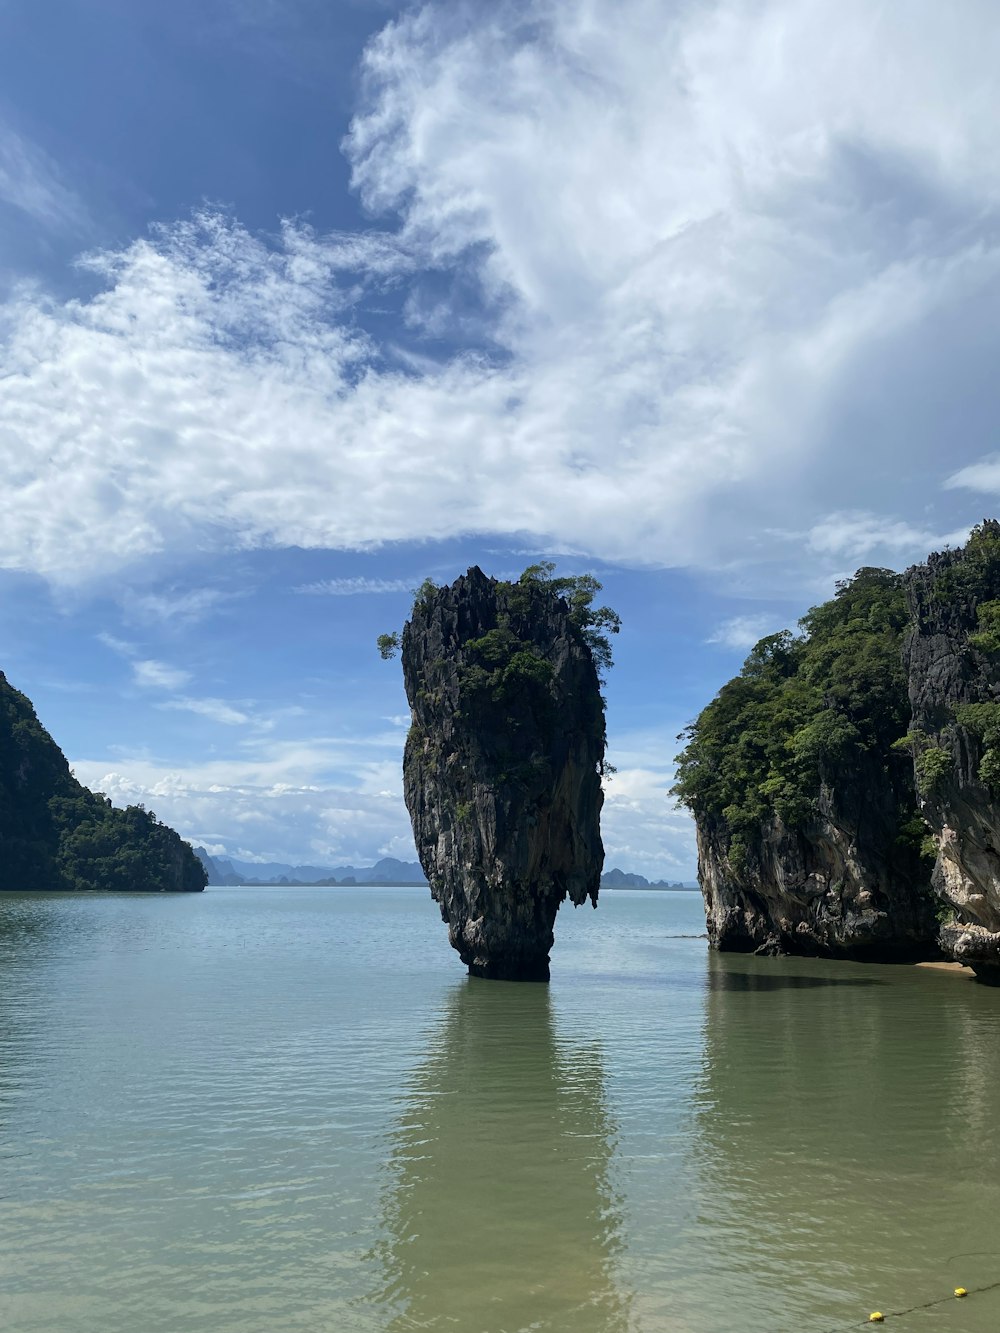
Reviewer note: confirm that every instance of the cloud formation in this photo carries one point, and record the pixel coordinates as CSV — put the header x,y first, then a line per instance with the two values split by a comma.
x,y
353,587
710,274
742,632
31,182
159,675
340,800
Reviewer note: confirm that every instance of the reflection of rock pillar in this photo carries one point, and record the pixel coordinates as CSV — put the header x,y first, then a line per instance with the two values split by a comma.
x,y
500,1215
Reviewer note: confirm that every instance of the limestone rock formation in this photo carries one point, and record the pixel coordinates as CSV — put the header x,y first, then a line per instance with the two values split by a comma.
x,y
56,834
952,655
502,766
809,836
841,885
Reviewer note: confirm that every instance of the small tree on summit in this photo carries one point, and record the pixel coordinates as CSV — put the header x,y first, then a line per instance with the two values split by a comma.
x,y
578,590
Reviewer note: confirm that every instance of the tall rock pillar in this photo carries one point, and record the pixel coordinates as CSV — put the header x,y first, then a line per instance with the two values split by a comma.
x,y
502,767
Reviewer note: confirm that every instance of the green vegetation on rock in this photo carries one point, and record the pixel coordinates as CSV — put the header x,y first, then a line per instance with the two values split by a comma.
x,y
931,766
502,662
973,573
56,834
802,705
503,765
983,722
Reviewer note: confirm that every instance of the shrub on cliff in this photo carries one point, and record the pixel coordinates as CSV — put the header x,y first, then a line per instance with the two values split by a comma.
x,y
507,662
803,705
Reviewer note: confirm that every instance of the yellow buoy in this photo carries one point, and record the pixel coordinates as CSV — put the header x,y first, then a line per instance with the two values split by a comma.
x,y
960,1291
876,1317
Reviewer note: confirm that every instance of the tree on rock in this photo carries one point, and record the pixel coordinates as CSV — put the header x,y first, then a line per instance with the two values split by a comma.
x,y
504,759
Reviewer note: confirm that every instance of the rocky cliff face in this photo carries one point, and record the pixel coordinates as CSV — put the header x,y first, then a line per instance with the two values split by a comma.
x,y
842,885
952,656
502,767
809,836
56,834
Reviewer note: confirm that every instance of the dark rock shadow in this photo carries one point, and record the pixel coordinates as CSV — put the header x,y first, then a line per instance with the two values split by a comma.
x,y
770,981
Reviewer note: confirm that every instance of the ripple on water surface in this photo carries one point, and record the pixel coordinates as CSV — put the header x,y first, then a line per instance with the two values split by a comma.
x,y
287,1109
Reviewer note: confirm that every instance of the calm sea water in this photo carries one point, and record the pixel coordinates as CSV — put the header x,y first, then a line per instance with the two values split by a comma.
x,y
288,1109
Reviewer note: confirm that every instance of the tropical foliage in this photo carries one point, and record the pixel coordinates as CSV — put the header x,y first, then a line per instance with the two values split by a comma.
x,y
56,834
802,704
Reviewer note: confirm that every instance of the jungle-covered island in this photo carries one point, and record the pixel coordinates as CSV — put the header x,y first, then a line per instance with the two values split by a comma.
x,y
504,759
845,784
57,834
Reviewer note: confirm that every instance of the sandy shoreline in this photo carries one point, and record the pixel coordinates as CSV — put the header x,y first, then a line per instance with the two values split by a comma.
x,y
960,968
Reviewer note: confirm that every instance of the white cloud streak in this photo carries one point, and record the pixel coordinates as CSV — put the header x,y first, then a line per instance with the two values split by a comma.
x,y
354,587
31,182
217,710
159,675
983,477
179,606
742,632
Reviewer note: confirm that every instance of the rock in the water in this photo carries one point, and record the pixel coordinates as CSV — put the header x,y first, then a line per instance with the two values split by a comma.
x,y
840,885
502,768
809,837
952,657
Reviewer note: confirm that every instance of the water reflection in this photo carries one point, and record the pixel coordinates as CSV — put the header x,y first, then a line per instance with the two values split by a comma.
x,y
498,1211
25,925
839,1139
724,976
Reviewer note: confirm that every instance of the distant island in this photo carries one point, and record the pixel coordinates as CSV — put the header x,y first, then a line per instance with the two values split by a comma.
x,y
229,872
622,879
56,834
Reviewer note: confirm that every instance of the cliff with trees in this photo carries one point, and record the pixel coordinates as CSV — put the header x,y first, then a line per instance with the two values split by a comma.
x,y
846,784
57,834
810,839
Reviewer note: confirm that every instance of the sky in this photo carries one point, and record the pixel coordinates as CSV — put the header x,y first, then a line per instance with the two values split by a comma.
x,y
304,301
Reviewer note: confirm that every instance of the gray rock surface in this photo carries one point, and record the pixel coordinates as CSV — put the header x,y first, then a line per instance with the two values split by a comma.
x,y
502,767
839,887
946,671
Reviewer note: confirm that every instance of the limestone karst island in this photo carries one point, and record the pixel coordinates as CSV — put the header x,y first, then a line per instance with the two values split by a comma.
x,y
846,784
504,757
55,834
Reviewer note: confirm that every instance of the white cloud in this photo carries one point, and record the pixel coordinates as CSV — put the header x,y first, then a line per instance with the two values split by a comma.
x,y
856,535
120,646
642,827
217,710
354,587
726,256
31,182
288,802
983,476
159,675
185,606
339,799
741,632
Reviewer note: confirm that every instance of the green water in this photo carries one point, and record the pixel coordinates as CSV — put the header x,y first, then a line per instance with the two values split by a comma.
x,y
287,1109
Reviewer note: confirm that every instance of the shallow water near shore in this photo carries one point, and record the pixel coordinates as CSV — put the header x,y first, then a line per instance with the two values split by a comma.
x,y
288,1109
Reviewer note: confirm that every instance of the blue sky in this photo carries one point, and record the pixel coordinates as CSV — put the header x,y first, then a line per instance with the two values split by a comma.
x,y
303,302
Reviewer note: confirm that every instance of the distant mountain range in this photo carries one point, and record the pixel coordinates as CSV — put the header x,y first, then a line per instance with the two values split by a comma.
x,y
622,879
229,871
